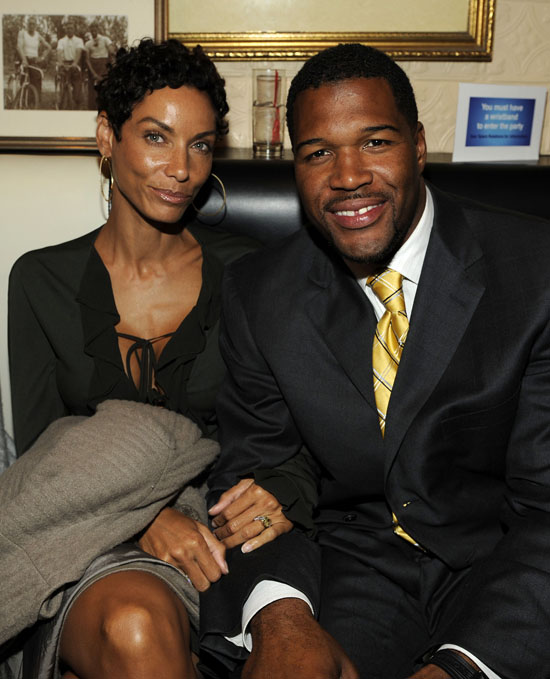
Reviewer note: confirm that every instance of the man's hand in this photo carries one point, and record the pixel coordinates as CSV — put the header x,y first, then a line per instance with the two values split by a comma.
x,y
288,642
234,515
186,544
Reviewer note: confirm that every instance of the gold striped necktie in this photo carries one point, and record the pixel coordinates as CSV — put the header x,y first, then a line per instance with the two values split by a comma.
x,y
389,340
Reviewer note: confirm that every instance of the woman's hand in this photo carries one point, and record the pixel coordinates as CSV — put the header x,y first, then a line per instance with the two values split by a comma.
x,y
237,516
186,544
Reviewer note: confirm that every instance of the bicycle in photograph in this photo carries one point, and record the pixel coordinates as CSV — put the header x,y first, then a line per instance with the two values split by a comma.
x,y
65,98
20,93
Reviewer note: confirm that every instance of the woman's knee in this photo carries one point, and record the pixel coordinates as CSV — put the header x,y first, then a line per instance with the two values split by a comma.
x,y
126,615
135,627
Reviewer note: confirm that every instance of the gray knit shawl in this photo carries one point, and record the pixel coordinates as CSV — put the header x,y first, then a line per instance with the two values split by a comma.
x,y
86,485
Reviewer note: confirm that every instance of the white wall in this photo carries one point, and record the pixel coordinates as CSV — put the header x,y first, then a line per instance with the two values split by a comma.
x,y
44,200
48,199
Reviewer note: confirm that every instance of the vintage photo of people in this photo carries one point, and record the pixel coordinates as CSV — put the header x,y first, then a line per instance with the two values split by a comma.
x,y
54,61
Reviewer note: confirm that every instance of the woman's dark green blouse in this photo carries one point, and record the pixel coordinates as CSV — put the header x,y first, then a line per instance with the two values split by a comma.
x,y
63,348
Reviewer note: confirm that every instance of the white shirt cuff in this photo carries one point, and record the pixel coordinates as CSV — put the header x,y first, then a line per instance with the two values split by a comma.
x,y
265,592
268,591
490,674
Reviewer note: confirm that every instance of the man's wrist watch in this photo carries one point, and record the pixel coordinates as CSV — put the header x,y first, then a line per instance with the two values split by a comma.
x,y
455,665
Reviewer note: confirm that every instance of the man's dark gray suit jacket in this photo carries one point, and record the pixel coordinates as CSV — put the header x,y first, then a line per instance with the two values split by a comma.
x,y
465,463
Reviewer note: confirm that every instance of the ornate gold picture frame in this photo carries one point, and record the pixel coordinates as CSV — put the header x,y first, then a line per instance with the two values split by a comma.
x,y
468,37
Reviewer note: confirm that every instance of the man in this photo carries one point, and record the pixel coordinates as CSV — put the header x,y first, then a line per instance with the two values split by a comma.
x,y
33,50
405,341
99,49
69,52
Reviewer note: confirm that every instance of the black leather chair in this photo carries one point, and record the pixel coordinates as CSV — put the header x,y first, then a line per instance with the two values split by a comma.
x,y
262,200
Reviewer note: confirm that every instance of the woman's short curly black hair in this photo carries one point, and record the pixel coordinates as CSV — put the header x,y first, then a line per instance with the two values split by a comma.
x,y
346,61
150,66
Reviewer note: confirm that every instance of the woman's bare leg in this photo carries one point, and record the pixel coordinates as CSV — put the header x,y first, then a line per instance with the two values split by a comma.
x,y
129,625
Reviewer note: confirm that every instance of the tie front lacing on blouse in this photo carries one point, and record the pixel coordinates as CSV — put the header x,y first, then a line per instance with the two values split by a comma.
x,y
147,362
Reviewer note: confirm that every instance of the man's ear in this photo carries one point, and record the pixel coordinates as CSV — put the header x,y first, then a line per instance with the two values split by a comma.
x,y
420,143
104,135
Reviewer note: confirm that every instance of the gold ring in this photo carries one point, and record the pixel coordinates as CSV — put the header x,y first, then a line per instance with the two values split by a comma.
x,y
265,520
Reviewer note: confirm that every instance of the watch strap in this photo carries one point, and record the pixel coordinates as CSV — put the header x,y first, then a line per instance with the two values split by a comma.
x,y
455,665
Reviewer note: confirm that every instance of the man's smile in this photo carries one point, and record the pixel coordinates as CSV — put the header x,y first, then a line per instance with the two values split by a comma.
x,y
357,213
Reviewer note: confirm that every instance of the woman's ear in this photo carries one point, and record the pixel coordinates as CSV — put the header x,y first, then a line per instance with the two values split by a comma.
x,y
104,135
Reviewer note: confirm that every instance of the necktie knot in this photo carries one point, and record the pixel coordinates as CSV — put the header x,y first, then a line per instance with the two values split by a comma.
x,y
389,339
388,287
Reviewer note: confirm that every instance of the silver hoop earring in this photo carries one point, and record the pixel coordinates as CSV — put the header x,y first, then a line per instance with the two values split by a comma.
x,y
102,178
220,209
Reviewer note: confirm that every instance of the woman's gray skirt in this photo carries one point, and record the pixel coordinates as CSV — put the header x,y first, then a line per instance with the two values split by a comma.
x,y
41,655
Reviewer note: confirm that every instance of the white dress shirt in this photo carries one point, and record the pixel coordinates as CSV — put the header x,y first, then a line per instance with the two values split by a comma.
x,y
69,48
408,261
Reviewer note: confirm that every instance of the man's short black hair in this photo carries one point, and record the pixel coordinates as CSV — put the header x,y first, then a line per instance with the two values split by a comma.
x,y
347,61
150,66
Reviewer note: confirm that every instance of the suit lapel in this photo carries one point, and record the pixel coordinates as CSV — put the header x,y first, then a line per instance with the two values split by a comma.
x,y
447,297
346,321
445,302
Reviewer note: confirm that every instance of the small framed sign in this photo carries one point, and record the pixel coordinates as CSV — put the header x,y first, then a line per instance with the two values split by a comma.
x,y
498,122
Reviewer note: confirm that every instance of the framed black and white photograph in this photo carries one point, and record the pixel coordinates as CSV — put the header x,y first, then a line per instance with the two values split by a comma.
x,y
52,54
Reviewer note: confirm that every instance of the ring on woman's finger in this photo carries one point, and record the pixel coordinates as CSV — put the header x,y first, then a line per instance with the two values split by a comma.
x,y
265,520
186,577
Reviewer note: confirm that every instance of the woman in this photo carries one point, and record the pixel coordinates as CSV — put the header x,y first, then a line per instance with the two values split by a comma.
x,y
130,311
